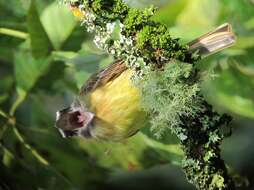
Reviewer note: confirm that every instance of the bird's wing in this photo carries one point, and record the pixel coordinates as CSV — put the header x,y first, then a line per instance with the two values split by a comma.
x,y
102,77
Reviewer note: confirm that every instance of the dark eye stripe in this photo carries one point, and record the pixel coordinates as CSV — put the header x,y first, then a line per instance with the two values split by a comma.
x,y
70,133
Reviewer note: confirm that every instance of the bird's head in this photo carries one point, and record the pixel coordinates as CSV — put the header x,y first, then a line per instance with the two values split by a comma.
x,y
74,120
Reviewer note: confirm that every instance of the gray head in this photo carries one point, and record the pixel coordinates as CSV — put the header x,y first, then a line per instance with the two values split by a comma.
x,y
74,120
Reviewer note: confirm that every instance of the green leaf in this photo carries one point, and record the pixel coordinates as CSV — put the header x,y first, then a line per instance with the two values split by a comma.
x,y
237,10
7,157
9,43
28,69
40,42
244,42
249,24
168,14
133,152
20,98
197,18
58,23
63,55
234,91
11,14
54,74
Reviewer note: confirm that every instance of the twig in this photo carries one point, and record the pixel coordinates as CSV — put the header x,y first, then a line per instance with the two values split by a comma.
x,y
13,33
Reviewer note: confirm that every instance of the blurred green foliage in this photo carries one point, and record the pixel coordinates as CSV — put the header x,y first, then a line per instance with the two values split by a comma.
x,y
45,56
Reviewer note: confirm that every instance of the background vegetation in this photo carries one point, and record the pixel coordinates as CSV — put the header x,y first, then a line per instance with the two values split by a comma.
x,y
45,56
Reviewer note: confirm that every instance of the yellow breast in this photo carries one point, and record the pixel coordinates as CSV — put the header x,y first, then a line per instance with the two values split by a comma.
x,y
117,105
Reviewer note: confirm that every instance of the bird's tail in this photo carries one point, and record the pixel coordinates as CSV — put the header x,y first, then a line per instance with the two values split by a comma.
x,y
214,41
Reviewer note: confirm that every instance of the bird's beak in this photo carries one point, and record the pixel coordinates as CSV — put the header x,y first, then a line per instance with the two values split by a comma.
x,y
72,122
89,117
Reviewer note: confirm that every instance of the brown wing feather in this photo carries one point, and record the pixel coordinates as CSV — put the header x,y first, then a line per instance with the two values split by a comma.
x,y
102,77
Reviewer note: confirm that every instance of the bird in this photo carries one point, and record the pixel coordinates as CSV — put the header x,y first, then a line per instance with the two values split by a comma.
x,y
108,106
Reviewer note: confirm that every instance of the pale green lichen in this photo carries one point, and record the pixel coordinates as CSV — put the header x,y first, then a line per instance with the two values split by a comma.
x,y
166,96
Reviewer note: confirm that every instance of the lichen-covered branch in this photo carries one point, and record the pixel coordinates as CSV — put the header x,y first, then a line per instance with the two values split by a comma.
x,y
203,165
140,39
168,81
173,99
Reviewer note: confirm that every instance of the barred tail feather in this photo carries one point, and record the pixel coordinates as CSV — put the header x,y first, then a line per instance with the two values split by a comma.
x,y
214,41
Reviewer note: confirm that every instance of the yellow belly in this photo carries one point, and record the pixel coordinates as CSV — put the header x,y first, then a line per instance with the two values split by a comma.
x,y
117,107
